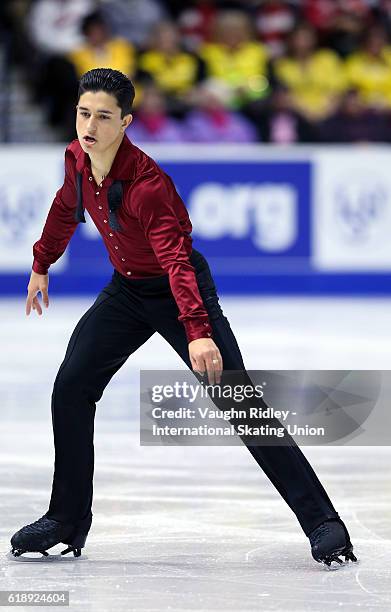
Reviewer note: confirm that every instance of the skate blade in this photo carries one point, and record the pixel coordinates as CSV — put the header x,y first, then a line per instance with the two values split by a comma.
x,y
37,557
336,558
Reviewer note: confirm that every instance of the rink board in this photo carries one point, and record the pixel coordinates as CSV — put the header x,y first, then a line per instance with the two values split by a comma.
x,y
269,220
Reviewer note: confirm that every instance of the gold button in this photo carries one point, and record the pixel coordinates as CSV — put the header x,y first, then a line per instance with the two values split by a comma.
x,y
111,234
97,193
90,178
104,220
123,258
128,273
116,247
100,207
206,324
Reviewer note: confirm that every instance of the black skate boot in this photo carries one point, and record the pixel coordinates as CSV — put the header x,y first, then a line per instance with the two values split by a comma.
x,y
329,540
45,533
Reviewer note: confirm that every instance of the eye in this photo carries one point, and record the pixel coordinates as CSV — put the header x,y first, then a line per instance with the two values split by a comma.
x,y
104,117
84,114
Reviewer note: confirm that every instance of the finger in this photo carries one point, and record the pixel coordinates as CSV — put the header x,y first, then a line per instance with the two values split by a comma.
x,y
218,366
37,305
210,366
193,364
45,297
200,365
28,305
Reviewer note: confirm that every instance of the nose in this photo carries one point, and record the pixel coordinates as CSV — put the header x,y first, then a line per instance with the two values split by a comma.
x,y
91,125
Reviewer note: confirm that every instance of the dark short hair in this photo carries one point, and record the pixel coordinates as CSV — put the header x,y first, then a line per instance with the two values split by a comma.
x,y
112,82
92,19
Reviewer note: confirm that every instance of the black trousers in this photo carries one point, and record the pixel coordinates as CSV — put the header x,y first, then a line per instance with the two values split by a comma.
x,y
124,316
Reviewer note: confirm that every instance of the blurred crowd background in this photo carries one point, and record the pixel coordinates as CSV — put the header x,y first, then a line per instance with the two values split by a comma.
x,y
271,71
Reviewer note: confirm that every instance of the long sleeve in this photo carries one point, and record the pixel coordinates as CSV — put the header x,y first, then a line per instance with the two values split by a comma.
x,y
159,221
60,223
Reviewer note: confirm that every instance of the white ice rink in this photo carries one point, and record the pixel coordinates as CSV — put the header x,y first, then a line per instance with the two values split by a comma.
x,y
196,528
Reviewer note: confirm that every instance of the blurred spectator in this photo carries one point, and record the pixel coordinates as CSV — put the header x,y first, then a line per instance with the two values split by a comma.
x,y
54,28
13,30
151,123
173,69
332,16
236,58
339,23
211,121
133,19
279,123
54,25
274,20
314,77
383,15
101,49
353,122
195,22
369,70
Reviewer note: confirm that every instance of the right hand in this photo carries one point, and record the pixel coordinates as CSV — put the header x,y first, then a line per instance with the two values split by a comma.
x,y
38,283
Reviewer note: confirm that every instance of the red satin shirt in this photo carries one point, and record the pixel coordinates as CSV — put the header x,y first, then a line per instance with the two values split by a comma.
x,y
155,237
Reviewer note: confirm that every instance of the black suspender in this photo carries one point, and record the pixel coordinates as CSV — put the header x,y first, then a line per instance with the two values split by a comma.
x,y
79,214
114,197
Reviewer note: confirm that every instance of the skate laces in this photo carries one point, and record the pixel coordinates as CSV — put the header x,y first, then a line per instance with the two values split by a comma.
x,y
317,534
41,525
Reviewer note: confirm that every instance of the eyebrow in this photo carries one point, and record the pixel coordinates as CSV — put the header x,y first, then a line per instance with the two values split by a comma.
x,y
99,110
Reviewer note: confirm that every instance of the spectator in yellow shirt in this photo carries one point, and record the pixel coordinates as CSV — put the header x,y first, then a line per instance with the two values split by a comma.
x,y
314,77
101,50
235,57
369,69
174,70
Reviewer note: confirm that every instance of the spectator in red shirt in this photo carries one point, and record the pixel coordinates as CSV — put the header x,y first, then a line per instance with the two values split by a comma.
x,y
158,275
339,23
195,22
274,20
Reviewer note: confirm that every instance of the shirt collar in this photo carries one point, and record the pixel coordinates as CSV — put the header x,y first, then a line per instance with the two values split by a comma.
x,y
124,164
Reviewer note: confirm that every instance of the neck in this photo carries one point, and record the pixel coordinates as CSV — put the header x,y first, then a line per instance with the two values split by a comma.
x,y
101,163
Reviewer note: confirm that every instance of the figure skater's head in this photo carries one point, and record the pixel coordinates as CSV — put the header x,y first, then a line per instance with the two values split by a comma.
x,y
104,108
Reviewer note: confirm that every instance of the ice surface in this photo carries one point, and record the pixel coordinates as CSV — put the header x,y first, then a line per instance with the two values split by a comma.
x,y
196,528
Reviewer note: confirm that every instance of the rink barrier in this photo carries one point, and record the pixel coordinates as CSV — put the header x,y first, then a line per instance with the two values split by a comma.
x,y
270,220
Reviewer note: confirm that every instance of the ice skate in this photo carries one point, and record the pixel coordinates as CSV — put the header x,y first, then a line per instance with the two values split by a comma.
x,y
45,533
329,541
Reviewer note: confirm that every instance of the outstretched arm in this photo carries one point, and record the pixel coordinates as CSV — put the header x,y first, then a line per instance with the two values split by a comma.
x,y
60,223
58,229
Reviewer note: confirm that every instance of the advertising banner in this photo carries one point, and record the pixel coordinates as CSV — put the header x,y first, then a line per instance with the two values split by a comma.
x,y
269,220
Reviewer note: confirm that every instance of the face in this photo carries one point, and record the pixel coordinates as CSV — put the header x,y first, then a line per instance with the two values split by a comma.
x,y
376,41
97,34
98,122
234,30
167,38
303,41
153,101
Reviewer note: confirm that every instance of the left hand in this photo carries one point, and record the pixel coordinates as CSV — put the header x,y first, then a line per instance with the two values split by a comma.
x,y
203,352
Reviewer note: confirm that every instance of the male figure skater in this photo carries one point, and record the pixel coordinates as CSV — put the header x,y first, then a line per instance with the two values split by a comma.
x,y
159,284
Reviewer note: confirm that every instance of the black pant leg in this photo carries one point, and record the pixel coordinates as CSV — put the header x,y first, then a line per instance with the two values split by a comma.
x,y
110,331
285,465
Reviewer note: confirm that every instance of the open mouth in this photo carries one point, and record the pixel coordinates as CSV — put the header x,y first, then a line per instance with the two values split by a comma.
x,y
89,139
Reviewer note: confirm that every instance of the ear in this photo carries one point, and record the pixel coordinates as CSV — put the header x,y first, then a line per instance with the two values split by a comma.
x,y
126,121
